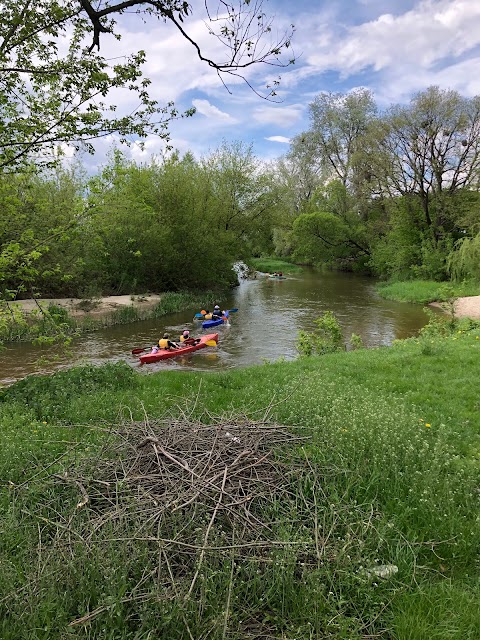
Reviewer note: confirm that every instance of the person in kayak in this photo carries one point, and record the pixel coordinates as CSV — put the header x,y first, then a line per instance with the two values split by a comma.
x,y
166,343
216,312
185,338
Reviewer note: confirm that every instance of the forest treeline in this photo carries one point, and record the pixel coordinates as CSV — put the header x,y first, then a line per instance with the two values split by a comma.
x,y
393,194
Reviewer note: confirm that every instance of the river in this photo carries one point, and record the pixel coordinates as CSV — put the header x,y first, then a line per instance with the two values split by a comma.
x,y
265,328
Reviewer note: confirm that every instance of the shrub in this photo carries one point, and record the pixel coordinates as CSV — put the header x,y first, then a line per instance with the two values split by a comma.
x,y
327,338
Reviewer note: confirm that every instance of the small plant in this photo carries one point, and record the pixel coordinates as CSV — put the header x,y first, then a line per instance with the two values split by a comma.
x,y
356,342
448,305
327,338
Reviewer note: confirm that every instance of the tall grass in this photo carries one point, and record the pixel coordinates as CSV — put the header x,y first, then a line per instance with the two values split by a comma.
x,y
390,477
425,291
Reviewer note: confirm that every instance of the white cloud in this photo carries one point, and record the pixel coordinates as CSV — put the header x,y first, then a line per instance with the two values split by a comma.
x,y
278,139
423,36
210,111
279,115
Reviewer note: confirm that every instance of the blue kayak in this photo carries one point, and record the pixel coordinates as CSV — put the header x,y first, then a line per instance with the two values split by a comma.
x,y
214,323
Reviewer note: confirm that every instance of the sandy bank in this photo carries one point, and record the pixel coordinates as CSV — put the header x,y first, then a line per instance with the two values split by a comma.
x,y
78,308
468,307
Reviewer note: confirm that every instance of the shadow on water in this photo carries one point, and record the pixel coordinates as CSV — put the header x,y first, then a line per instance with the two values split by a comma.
x,y
265,329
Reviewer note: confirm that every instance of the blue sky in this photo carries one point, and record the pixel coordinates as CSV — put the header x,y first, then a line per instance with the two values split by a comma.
x,y
395,48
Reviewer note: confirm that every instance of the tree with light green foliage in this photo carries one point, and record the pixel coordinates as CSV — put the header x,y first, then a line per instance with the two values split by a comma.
x,y
56,83
39,214
326,338
464,260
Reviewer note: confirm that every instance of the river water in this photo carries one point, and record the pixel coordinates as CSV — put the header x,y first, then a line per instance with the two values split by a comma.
x,y
265,328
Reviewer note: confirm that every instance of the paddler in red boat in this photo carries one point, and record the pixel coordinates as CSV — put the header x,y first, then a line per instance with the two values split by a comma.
x,y
166,343
186,339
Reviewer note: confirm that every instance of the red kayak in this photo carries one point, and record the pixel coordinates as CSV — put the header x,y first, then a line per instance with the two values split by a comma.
x,y
163,354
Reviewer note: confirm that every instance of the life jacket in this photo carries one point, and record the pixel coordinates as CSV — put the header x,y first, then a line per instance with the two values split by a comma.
x,y
208,316
163,343
183,338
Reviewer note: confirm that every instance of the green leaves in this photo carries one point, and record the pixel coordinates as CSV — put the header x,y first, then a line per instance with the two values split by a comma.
x,y
53,87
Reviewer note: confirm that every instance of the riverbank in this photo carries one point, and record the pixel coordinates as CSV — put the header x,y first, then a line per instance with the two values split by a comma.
x,y
95,307
372,519
56,319
465,307
430,292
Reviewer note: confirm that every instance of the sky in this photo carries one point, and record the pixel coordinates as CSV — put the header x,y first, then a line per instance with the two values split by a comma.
x,y
395,48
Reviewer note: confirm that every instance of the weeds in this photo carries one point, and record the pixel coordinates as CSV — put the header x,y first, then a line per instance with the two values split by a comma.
x,y
425,291
54,325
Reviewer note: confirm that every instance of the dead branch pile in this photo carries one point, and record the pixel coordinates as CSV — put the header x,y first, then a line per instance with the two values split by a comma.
x,y
178,471
200,495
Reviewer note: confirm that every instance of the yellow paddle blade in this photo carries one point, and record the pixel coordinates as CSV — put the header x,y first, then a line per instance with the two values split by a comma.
x,y
211,343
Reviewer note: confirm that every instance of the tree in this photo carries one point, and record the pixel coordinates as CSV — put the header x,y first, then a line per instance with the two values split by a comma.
x,y
338,123
55,84
38,258
155,228
322,237
244,197
429,150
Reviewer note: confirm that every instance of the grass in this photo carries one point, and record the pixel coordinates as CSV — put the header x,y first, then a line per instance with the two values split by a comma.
x,y
425,291
55,324
390,477
270,265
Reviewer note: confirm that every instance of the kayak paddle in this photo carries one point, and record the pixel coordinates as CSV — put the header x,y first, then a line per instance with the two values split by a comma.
x,y
139,350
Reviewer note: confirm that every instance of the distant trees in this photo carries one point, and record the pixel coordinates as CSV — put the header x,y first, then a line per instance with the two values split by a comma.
x,y
338,125
410,181
173,224
244,196
429,150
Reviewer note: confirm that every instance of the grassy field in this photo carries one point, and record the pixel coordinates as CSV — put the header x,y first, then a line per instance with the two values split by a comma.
x,y
425,291
271,265
371,530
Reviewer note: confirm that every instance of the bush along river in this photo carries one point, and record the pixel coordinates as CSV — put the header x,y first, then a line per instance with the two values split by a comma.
x,y
270,314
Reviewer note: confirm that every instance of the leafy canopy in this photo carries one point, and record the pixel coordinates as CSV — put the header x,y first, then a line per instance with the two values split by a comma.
x,y
56,86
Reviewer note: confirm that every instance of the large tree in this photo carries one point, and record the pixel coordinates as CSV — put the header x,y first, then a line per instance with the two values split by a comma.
x,y
55,84
244,197
338,123
429,151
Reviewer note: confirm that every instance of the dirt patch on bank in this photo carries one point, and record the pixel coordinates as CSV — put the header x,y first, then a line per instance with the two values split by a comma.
x,y
78,308
468,307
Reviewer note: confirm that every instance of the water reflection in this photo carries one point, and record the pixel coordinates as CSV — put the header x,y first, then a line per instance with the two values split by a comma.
x,y
271,313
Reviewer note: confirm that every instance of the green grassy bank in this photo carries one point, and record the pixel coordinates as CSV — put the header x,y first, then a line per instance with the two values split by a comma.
x,y
271,265
425,291
384,473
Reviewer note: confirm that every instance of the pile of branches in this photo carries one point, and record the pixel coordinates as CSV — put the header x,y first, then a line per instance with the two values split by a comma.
x,y
204,495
